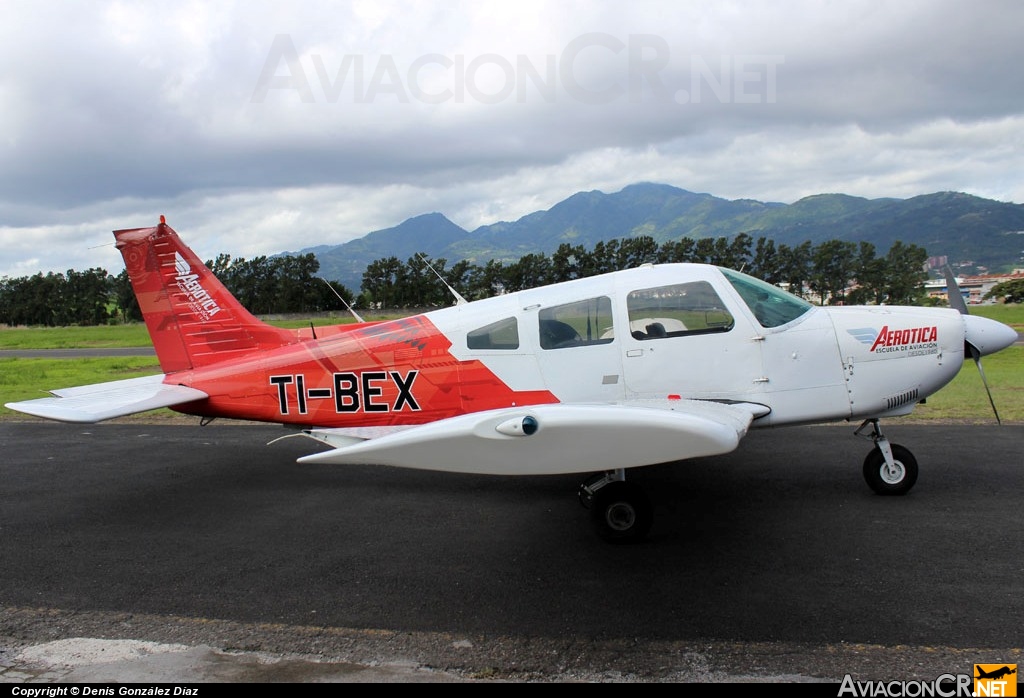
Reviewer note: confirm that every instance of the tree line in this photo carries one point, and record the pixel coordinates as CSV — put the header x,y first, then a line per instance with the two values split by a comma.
x,y
264,285
832,272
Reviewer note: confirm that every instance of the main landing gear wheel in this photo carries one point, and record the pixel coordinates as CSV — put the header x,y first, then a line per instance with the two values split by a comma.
x,y
621,512
895,480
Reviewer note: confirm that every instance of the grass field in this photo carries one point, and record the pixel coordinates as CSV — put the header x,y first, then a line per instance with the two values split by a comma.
x,y
107,336
26,379
21,379
964,399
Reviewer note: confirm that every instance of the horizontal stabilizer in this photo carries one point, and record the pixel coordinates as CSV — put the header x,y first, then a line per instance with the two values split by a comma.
x,y
552,439
100,401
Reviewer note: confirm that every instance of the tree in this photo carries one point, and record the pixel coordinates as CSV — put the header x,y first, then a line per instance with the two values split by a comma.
x,y
424,283
833,266
567,262
380,280
605,256
765,263
298,289
458,276
636,251
904,274
704,251
329,294
1009,291
86,297
34,300
795,266
737,253
532,270
869,271
680,250
126,305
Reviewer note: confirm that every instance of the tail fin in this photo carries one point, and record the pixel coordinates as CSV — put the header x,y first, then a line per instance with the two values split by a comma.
x,y
193,320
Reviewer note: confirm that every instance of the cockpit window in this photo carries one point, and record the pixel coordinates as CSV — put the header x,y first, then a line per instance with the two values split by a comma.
x,y
676,311
772,306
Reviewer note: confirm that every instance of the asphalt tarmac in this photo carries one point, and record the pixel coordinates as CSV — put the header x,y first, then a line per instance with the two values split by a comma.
x,y
141,552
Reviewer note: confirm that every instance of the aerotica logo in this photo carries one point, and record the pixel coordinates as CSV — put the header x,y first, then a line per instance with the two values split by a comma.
x,y
201,302
913,341
864,335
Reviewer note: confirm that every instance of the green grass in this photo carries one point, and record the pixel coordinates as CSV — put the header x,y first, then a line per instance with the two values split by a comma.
x,y
27,379
1012,315
131,335
103,336
964,399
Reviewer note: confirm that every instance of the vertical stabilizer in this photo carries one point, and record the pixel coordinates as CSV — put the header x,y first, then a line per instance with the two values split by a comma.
x,y
192,318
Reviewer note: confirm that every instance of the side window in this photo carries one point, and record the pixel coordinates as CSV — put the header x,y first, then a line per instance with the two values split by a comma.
x,y
576,324
503,334
676,311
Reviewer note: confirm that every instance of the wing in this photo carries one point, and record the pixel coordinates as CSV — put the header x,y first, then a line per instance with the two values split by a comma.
x,y
550,439
94,403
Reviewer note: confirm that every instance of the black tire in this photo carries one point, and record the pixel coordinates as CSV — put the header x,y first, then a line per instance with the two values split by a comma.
x,y
621,512
881,480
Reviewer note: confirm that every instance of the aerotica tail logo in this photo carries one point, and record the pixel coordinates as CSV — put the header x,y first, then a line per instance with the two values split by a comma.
x,y
199,300
913,341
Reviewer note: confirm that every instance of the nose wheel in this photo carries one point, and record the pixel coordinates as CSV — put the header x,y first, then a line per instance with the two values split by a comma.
x,y
889,469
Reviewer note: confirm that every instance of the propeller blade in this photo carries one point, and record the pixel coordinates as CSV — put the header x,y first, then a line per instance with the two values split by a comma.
x,y
984,381
956,299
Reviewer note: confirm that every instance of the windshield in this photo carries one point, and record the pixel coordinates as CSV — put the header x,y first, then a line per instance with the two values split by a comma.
x,y
771,305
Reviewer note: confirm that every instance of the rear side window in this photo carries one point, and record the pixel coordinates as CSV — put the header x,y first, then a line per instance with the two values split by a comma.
x,y
503,334
676,311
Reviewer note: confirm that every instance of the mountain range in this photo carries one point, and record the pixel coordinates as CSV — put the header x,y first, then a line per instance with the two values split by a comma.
x,y
975,233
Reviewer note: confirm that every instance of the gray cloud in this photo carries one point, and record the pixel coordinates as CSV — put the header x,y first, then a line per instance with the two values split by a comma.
x,y
370,112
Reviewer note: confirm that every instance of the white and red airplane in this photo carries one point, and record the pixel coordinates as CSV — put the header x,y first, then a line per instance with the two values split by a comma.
x,y
649,365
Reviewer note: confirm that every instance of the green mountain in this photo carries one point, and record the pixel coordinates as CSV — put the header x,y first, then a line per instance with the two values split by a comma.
x,y
422,234
969,229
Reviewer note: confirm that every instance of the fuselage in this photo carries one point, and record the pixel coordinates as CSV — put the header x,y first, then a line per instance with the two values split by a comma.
x,y
654,332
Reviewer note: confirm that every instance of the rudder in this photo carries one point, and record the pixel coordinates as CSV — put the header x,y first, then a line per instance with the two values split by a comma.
x,y
192,318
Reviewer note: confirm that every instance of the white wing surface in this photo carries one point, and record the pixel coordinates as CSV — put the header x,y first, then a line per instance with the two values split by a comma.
x,y
94,403
551,439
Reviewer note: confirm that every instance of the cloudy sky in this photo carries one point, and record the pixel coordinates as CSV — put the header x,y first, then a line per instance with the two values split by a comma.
x,y
260,127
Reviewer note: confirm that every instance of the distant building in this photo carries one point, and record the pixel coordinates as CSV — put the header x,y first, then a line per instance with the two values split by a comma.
x,y
973,288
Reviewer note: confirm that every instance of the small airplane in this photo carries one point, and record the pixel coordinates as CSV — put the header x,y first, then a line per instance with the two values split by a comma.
x,y
996,674
597,375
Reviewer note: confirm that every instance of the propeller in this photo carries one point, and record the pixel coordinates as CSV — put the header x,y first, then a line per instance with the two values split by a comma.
x,y
956,301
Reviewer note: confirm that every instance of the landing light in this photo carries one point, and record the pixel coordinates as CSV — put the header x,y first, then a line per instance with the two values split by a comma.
x,y
519,426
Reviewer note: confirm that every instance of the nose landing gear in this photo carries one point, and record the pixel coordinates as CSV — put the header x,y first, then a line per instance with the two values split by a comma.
x,y
889,469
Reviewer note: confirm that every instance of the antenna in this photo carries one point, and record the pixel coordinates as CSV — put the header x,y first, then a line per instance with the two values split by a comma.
x,y
349,307
459,300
